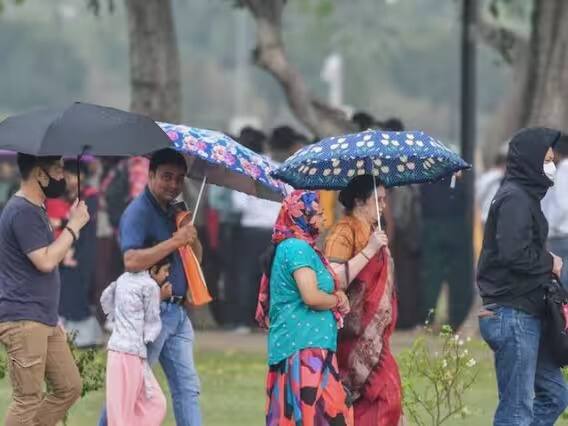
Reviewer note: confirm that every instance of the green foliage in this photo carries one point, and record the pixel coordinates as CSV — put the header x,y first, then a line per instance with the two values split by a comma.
x,y
319,8
3,364
92,368
401,58
565,372
16,2
437,377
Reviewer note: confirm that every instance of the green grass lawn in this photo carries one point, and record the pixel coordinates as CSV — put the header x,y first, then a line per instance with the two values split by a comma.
x,y
233,392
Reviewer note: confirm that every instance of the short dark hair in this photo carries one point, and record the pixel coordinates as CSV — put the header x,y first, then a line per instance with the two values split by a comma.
x,y
167,156
359,188
393,124
253,139
72,164
163,262
364,120
26,163
561,146
283,138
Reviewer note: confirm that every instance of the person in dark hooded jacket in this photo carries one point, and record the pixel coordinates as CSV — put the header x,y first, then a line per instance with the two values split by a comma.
x,y
513,267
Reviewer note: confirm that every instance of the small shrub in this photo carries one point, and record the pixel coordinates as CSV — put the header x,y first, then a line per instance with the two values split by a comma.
x,y
435,381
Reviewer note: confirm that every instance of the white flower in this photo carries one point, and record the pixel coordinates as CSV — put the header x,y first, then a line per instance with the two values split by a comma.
x,y
460,343
445,364
468,339
457,337
471,363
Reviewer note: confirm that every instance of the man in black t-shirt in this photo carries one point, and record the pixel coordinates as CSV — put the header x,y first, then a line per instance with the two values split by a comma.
x,y
29,296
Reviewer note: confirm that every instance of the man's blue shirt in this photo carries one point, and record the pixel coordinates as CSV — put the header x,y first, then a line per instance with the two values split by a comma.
x,y
144,224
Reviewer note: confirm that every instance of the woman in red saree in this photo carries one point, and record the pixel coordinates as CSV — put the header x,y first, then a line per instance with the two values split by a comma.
x,y
362,261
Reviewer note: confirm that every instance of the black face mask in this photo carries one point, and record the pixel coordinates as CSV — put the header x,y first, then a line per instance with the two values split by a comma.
x,y
55,188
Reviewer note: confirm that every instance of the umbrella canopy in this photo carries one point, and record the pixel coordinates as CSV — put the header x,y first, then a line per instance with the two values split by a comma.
x,y
395,158
81,128
222,161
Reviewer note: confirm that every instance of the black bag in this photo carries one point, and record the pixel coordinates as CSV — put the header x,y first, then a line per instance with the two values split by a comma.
x,y
556,329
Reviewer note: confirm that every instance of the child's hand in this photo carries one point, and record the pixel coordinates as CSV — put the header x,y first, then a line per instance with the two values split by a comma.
x,y
166,291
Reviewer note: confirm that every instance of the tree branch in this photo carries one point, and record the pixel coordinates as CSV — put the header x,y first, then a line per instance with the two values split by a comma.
x,y
270,54
508,43
95,6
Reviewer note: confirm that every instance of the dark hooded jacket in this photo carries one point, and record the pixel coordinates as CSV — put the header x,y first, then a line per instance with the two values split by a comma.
x,y
514,262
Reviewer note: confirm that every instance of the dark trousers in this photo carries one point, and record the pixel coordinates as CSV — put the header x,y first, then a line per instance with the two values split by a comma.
x,y
252,244
108,268
407,274
218,265
74,301
446,257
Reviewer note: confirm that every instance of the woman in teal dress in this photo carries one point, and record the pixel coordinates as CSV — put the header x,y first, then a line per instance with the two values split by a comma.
x,y
300,304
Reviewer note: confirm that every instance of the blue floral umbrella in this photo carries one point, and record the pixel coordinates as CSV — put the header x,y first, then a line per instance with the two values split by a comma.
x,y
395,158
214,157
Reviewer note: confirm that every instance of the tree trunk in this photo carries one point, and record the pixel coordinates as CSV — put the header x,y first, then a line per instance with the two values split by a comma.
x,y
515,51
155,77
545,100
154,60
539,87
270,54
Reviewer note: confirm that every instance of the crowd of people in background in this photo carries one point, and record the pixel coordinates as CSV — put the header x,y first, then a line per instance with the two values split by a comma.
x,y
421,222
106,230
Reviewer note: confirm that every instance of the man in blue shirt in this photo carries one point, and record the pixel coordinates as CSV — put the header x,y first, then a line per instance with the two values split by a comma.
x,y
147,235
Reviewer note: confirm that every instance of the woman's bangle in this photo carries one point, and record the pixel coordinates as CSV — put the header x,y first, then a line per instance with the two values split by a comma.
x,y
364,255
73,234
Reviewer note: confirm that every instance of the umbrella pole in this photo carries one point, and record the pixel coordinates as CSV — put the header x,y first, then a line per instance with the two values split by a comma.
x,y
79,176
199,197
79,158
377,204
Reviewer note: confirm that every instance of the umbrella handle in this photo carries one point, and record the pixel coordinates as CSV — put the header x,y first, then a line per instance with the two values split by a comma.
x,y
377,204
199,197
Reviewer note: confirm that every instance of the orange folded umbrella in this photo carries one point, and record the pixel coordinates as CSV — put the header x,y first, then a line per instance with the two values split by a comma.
x,y
197,292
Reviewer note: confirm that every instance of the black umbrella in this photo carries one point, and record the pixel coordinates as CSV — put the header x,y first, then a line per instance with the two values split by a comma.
x,y
82,128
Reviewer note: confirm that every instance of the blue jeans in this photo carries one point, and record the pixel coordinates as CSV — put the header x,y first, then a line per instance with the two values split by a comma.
x,y
532,390
174,349
559,246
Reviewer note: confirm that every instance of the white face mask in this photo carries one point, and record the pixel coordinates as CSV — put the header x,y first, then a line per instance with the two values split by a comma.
x,y
550,170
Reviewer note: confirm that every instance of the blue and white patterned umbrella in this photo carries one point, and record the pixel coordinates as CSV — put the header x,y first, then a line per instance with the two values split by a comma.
x,y
216,158
396,158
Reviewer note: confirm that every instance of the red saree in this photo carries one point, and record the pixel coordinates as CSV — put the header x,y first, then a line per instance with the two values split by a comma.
x,y
366,363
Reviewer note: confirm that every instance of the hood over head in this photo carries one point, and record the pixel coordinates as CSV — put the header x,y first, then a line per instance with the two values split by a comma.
x,y
525,160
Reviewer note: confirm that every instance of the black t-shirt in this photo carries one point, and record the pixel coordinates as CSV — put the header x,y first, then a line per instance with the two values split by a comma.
x,y
25,292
